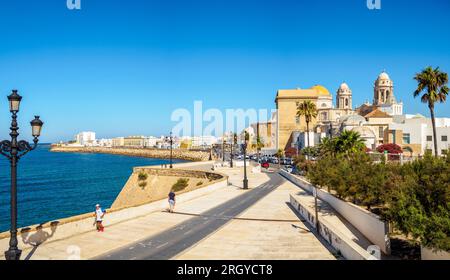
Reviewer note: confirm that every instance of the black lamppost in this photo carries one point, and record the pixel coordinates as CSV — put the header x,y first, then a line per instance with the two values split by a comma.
x,y
245,181
233,142
223,149
14,150
171,144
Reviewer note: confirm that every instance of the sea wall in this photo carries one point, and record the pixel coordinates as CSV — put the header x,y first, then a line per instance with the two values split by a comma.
x,y
138,152
158,182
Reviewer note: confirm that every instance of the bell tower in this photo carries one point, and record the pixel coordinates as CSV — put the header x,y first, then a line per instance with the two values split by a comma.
x,y
383,92
344,97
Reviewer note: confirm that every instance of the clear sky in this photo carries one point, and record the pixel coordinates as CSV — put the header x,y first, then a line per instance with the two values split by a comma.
x,y
122,67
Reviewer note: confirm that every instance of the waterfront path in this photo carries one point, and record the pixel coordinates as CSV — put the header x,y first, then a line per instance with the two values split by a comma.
x,y
269,229
259,223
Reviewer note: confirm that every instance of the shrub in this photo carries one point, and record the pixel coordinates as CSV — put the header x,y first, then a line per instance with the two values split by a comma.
x,y
142,184
180,185
142,176
199,183
392,149
310,151
290,152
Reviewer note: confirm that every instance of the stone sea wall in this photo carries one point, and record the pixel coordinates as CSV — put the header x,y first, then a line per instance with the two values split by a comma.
x,y
158,183
138,152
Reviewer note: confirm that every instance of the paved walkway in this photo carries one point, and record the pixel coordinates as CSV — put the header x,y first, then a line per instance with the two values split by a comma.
x,y
267,230
92,244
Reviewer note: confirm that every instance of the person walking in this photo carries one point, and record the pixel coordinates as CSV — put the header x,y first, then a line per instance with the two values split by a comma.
x,y
171,201
99,214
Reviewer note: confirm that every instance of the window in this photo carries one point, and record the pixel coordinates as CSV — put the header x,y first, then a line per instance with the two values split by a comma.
x,y
324,116
324,105
444,138
429,138
380,132
406,138
346,102
297,120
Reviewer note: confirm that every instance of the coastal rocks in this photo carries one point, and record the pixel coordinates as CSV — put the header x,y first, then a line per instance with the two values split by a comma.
x,y
137,152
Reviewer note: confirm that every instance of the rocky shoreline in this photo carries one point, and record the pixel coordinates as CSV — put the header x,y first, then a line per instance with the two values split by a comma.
x,y
137,152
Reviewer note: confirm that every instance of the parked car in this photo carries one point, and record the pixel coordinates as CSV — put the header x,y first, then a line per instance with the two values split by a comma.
x,y
289,168
265,165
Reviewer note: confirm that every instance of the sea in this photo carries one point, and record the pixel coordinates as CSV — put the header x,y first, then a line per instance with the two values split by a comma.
x,y
53,185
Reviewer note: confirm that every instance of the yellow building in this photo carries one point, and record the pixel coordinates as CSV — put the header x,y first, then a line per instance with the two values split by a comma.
x,y
287,102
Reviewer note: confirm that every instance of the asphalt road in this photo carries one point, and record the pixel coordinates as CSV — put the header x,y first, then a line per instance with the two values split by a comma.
x,y
173,241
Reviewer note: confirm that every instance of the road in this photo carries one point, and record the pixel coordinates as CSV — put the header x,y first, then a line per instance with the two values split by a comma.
x,y
173,241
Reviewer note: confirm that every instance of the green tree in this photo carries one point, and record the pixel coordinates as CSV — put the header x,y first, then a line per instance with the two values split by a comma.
x,y
308,110
433,84
419,203
349,142
328,146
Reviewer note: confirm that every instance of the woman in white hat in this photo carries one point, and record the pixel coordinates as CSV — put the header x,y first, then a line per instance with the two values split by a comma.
x,y
99,213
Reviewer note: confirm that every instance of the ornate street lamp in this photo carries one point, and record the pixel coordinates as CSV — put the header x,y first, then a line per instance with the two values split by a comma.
x,y
14,150
171,144
245,181
233,142
223,150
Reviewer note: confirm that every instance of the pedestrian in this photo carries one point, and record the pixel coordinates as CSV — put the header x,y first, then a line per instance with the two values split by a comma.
x,y
171,201
99,214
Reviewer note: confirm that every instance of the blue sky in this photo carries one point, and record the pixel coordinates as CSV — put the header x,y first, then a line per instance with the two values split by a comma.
x,y
122,67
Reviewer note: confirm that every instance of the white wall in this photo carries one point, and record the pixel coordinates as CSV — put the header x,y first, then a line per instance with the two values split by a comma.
x,y
344,245
369,224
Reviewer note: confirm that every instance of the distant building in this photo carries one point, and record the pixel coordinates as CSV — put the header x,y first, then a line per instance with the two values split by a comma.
x,y
103,142
118,142
86,138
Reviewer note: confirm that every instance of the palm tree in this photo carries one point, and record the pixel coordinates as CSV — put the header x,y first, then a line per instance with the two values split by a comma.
x,y
328,146
349,142
433,83
308,110
280,153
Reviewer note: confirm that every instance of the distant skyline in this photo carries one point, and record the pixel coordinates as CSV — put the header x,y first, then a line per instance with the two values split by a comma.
x,y
122,67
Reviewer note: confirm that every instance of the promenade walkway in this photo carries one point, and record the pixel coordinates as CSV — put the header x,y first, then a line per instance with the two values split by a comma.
x,y
92,244
268,229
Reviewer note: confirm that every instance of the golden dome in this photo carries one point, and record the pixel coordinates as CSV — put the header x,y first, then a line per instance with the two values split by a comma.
x,y
321,90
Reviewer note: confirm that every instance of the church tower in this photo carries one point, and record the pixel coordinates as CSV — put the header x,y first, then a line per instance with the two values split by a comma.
x,y
344,97
383,90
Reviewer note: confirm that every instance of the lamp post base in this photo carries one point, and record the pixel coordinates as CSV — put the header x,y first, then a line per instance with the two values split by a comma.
x,y
13,254
245,181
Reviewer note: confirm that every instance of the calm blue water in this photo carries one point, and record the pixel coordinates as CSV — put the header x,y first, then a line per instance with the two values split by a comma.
x,y
57,185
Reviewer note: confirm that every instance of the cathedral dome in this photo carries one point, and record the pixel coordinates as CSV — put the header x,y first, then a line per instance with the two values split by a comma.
x,y
344,87
383,76
321,90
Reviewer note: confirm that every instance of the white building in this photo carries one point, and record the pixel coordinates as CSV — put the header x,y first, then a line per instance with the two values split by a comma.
x,y
416,133
103,142
86,138
151,142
